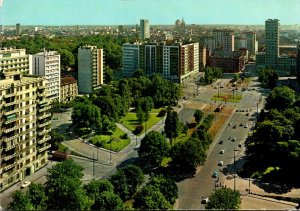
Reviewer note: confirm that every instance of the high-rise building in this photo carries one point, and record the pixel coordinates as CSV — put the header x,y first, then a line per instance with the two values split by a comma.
x,y
18,29
298,61
210,43
272,42
130,58
240,43
224,39
145,29
1,28
47,64
90,68
24,126
250,37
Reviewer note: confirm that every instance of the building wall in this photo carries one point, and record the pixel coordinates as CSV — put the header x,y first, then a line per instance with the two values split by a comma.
x,y
47,64
24,128
202,57
251,42
298,61
272,42
68,89
210,43
130,58
145,29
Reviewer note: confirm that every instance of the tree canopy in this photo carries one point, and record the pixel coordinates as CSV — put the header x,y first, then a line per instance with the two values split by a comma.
x,y
224,199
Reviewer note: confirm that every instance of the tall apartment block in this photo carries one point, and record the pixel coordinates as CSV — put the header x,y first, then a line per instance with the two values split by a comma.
x,y
298,61
210,43
145,29
130,58
224,39
250,37
24,123
47,64
90,68
18,29
272,42
175,61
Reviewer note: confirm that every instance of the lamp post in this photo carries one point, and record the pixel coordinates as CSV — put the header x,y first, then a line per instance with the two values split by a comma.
x,y
233,94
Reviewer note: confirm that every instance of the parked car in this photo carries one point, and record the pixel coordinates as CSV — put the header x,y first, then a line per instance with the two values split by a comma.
x,y
205,200
221,142
222,151
220,163
25,184
245,126
233,139
215,174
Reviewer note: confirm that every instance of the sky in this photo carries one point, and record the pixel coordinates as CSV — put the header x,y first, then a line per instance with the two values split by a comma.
x,y
128,12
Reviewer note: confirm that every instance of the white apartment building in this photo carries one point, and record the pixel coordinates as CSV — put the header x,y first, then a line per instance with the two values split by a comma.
x,y
145,29
224,39
90,69
47,64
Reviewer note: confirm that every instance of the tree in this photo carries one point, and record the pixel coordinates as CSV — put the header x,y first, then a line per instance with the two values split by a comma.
x,y
150,198
135,177
166,186
64,185
107,107
108,74
268,78
96,187
37,196
20,201
56,139
107,125
119,182
188,155
138,73
198,115
108,201
67,58
280,98
224,199
153,149
172,125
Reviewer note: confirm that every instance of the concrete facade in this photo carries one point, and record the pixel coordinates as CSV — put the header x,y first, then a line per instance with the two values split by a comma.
x,y
68,89
145,29
130,58
272,42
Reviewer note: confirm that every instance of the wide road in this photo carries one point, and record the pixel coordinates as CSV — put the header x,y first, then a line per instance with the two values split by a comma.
x,y
192,191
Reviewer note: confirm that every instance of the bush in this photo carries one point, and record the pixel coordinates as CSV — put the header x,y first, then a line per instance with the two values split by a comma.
x,y
124,136
138,129
162,113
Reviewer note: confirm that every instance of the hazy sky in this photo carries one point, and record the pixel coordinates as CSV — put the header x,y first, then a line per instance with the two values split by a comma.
x,y
115,12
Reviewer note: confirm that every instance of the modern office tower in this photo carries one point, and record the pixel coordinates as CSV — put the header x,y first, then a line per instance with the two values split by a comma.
x,y
240,43
68,89
90,69
210,43
224,39
272,42
18,29
24,126
14,60
250,36
130,58
47,64
145,29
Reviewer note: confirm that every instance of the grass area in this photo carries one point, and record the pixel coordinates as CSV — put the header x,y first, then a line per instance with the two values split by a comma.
x,y
229,98
130,120
112,142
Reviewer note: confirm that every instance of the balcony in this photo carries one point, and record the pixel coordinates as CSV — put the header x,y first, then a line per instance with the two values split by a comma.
x,y
11,138
44,116
43,102
10,95
11,111
10,147
11,103
45,108
6,158
11,129
44,148
45,139
42,87
10,166
11,118
44,132
44,124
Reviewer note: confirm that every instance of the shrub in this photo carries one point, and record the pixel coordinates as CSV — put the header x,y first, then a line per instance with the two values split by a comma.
x,y
138,129
162,113
124,136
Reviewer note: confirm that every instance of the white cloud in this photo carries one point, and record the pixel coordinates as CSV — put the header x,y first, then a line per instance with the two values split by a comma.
x,y
1,2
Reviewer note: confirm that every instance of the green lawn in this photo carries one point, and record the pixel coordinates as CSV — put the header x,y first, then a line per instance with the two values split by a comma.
x,y
237,98
112,142
130,120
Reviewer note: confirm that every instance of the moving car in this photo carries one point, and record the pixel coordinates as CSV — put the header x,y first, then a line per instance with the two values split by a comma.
x,y
222,151
246,126
221,142
25,184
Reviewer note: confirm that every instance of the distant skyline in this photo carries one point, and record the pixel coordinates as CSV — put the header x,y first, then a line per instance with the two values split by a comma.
x,y
128,12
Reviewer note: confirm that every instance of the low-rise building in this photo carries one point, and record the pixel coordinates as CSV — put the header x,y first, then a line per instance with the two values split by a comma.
x,y
68,89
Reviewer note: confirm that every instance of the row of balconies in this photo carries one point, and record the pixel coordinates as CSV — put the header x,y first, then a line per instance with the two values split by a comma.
x,y
44,116
44,124
45,139
10,147
45,108
10,138
44,132
6,158
10,166
11,129
10,95
44,148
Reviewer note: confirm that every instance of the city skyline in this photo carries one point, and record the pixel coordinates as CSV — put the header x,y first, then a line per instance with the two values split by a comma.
x,y
128,12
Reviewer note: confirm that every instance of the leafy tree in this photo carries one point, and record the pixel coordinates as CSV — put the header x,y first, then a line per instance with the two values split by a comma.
x,y
268,78
96,187
224,199
37,196
172,125
119,182
56,139
108,74
150,198
140,115
188,155
108,201
138,73
153,149
21,201
166,186
281,98
107,107
135,177
64,185
198,115
67,58
107,125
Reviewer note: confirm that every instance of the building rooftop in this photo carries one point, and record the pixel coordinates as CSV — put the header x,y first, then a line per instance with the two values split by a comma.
x,y
66,80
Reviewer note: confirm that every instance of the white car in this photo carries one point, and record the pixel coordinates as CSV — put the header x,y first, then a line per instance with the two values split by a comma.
x,y
222,151
245,126
205,200
25,184
220,163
